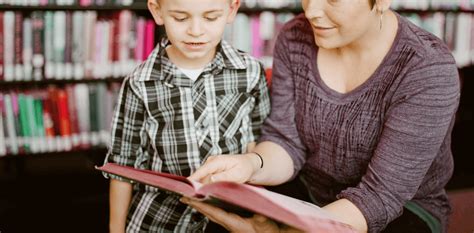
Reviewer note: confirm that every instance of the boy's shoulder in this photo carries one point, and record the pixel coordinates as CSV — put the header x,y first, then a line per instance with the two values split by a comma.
x,y
239,59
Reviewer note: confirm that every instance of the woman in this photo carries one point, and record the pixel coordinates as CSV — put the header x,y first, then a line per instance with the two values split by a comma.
x,y
363,104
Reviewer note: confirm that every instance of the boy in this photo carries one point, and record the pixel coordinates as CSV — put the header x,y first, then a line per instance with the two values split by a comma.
x,y
193,97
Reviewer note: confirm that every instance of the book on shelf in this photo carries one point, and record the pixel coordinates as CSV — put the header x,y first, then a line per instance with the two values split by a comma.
x,y
56,119
3,147
243,199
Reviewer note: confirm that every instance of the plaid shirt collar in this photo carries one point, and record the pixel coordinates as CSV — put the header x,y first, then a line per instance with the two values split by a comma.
x,y
226,57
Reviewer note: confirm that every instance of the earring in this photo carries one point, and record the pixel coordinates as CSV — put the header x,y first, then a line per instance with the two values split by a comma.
x,y
381,18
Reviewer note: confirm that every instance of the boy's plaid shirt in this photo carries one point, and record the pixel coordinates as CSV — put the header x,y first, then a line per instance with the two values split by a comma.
x,y
166,122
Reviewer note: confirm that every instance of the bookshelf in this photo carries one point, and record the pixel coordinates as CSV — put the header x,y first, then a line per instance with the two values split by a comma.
x,y
249,16
66,178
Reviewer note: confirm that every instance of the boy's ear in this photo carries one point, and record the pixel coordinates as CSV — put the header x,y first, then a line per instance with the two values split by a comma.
x,y
155,9
234,7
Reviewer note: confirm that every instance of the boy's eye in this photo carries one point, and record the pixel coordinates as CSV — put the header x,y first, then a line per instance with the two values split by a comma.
x,y
180,19
211,18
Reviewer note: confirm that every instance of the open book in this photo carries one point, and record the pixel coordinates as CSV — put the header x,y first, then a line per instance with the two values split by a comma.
x,y
237,197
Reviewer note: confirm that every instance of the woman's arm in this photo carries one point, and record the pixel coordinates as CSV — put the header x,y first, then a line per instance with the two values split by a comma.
x,y
119,200
277,167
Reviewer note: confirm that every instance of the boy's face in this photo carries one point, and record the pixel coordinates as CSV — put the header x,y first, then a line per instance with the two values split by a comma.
x,y
194,27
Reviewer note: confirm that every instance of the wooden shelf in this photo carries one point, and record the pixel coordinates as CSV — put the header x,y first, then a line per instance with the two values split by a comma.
x,y
32,84
89,151
135,7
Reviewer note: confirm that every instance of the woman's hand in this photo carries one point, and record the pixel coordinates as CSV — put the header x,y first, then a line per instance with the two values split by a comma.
x,y
236,168
233,222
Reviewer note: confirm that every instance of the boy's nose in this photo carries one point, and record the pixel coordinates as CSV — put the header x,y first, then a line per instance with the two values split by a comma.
x,y
313,8
195,29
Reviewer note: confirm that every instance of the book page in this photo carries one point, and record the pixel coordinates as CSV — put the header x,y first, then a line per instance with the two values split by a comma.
x,y
170,182
299,214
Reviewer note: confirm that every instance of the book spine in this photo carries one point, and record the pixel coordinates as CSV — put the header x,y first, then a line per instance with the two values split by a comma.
x,y
50,66
81,92
27,49
64,120
90,25
71,98
9,45
38,51
39,122
139,49
78,44
68,46
19,75
125,21
1,45
59,43
149,38
93,115
24,123
10,123
3,146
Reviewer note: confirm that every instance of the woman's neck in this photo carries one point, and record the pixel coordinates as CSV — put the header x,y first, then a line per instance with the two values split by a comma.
x,y
375,41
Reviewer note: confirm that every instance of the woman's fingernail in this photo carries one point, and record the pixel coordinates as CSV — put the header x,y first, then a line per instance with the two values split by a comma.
x,y
184,200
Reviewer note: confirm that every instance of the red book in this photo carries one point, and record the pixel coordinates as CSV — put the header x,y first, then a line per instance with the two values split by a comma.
x,y
48,118
63,110
53,99
73,121
243,199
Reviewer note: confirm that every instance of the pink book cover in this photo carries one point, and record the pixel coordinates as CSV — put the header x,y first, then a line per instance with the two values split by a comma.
x,y
242,199
85,2
257,42
114,38
140,36
149,38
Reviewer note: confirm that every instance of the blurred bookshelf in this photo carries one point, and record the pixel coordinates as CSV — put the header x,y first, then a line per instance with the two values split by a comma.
x,y
67,106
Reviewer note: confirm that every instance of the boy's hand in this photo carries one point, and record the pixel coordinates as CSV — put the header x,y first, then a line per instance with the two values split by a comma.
x,y
236,168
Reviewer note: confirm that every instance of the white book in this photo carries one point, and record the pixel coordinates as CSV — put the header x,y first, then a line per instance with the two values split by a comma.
x,y
241,36
9,45
27,49
438,24
89,38
78,45
462,42
81,92
125,24
59,43
98,48
267,25
472,38
3,146
10,123
68,30
50,66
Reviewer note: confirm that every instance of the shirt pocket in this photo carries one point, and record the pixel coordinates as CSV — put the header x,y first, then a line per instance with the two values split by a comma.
x,y
231,110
